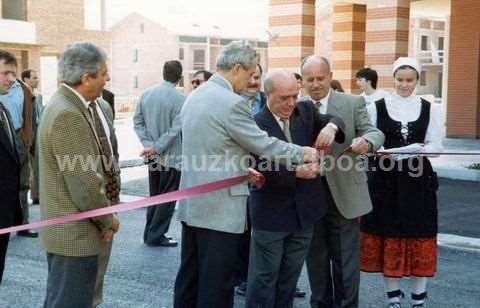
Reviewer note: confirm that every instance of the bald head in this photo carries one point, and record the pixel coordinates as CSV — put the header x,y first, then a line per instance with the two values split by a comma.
x,y
281,88
316,60
276,78
317,77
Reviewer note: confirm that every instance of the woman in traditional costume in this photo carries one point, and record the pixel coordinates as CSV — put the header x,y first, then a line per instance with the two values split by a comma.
x,y
399,237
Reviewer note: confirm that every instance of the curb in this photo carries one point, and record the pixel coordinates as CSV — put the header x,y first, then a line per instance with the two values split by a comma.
x,y
463,174
457,242
129,163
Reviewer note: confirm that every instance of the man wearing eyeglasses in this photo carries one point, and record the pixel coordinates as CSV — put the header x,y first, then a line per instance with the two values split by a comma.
x,y
200,77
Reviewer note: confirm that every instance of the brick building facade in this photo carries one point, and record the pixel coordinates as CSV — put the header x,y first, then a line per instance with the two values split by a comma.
x,y
358,33
141,46
38,31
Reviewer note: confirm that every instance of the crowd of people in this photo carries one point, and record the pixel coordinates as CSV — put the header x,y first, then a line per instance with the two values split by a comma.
x,y
296,208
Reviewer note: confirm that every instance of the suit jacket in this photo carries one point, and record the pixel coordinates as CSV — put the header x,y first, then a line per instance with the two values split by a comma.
x,y
68,182
109,97
11,213
27,129
157,122
37,110
349,187
217,127
286,203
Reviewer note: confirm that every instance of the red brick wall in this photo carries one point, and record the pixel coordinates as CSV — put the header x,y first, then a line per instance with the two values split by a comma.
x,y
463,102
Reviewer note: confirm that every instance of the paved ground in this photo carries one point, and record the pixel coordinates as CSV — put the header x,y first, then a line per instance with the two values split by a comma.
x,y
459,206
141,277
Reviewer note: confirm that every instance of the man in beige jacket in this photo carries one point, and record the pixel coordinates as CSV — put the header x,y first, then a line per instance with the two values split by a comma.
x,y
75,149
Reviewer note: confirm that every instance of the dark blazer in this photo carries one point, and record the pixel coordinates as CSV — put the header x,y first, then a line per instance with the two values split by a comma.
x,y
285,203
10,211
109,97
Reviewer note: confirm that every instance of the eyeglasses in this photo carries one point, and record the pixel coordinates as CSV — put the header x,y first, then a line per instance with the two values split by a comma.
x,y
196,82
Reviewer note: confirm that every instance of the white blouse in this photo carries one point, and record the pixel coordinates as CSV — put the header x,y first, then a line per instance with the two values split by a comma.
x,y
408,109
375,96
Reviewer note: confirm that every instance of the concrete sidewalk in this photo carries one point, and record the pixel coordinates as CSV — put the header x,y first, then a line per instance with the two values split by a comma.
x,y
457,167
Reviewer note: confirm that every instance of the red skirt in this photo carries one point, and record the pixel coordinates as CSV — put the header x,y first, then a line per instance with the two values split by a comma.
x,y
398,257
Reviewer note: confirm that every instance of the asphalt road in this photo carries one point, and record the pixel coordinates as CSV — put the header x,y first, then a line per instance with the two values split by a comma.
x,y
141,277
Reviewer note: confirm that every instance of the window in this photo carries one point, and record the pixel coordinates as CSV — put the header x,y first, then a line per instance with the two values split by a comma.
x,y
424,42
14,9
423,78
181,54
441,41
199,59
142,28
135,55
135,82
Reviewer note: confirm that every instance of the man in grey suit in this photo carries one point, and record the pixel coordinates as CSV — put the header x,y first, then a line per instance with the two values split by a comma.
x,y
218,134
159,132
336,235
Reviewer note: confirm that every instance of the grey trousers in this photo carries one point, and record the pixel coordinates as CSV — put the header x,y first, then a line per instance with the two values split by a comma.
x,y
333,262
103,259
276,260
71,281
23,154
34,177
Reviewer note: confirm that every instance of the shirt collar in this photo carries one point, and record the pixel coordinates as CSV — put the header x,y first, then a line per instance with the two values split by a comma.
x,y
82,99
323,101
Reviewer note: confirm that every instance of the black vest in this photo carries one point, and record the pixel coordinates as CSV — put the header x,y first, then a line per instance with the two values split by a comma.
x,y
403,192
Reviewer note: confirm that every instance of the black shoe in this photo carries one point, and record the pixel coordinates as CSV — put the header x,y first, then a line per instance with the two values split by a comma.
x,y
27,233
299,293
242,289
168,243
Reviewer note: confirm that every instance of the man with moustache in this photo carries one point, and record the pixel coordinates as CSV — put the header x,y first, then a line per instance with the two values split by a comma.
x,y
336,235
253,95
76,127
212,224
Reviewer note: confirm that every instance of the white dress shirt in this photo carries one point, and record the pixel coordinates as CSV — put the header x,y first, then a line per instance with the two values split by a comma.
x,y
103,119
324,102
408,109
375,96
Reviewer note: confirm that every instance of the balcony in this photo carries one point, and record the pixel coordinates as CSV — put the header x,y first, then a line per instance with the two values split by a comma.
x,y
17,32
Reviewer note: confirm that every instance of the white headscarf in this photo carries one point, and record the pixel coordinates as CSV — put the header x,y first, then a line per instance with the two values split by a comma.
x,y
412,62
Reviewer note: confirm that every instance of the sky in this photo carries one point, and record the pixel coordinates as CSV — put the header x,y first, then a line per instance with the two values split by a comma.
x,y
236,18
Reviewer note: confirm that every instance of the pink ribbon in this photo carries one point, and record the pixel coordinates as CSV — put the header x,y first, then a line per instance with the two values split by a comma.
x,y
155,200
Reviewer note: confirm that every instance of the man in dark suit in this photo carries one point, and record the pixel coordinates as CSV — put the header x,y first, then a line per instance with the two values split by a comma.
x,y
284,210
11,213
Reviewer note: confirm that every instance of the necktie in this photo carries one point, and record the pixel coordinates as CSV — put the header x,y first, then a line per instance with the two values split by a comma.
x,y
250,103
318,105
112,185
6,127
286,129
